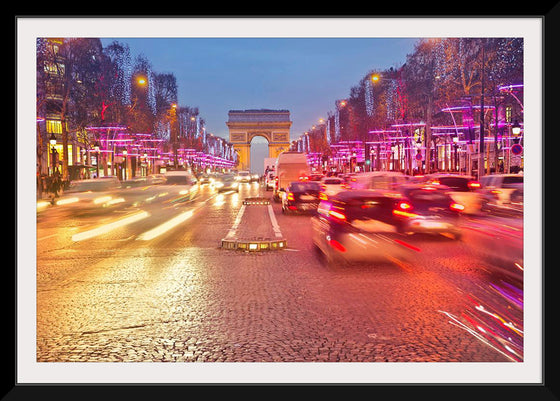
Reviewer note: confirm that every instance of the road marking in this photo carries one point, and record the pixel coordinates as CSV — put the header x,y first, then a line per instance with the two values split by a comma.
x,y
275,225
233,229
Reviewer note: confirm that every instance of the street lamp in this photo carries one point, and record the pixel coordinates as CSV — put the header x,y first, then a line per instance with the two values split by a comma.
x,y
516,128
125,153
96,148
52,141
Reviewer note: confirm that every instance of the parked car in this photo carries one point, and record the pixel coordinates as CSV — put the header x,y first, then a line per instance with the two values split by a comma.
x,y
91,194
496,189
331,186
463,189
359,226
301,196
226,182
428,209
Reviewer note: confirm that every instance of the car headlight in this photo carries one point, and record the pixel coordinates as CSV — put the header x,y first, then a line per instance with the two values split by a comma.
x,y
235,184
218,184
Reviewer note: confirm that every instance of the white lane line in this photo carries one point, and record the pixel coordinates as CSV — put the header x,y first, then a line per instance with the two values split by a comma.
x,y
233,229
275,225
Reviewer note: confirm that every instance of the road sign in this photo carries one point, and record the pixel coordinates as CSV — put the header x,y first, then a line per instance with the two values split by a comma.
x,y
516,149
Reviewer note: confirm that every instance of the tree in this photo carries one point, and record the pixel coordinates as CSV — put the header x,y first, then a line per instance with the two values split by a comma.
x,y
70,67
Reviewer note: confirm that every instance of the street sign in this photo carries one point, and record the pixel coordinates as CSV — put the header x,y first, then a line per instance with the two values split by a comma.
x,y
516,149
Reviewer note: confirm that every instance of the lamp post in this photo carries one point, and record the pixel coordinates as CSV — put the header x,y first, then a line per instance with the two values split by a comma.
x,y
52,141
96,148
125,154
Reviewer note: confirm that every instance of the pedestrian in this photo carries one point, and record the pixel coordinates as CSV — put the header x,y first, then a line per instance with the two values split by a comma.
x,y
56,183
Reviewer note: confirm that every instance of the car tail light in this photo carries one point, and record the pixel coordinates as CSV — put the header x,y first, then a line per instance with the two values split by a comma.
x,y
457,207
290,196
473,185
323,187
337,215
337,245
323,196
404,209
404,206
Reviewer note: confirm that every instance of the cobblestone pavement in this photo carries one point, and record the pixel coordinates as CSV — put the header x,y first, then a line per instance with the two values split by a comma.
x,y
182,298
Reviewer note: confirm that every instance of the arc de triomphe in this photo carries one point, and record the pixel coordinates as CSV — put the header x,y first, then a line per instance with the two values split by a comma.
x,y
244,125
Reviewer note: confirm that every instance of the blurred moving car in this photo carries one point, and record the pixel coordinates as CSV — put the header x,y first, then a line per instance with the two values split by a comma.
x,y
428,209
301,196
244,176
331,186
155,179
496,189
226,182
138,181
180,183
463,189
204,178
91,193
269,181
379,180
359,226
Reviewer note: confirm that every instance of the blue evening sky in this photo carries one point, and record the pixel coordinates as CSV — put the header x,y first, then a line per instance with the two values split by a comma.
x,y
303,75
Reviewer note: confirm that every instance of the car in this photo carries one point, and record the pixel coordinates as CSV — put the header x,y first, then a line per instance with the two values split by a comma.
x,y
181,184
204,178
359,226
91,194
463,189
380,180
138,181
244,176
301,196
496,189
429,209
226,182
155,179
331,186
269,181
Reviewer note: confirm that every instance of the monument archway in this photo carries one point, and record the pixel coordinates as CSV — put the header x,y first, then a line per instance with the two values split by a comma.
x,y
244,125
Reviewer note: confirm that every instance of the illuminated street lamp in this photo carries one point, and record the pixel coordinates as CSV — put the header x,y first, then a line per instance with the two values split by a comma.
x,y
52,141
96,148
516,128
125,153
